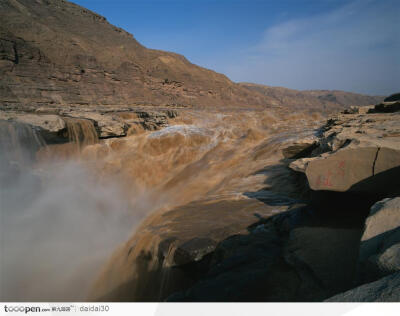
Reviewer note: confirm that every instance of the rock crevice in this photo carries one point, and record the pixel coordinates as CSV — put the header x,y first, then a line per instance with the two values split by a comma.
x,y
376,158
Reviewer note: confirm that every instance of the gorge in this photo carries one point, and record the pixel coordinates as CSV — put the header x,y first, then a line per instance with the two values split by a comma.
x,y
130,174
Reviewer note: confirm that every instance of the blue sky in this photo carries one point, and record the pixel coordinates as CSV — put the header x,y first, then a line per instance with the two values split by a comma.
x,y
351,45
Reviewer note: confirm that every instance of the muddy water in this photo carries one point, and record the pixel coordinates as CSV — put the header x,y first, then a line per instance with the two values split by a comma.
x,y
203,164
198,176
79,133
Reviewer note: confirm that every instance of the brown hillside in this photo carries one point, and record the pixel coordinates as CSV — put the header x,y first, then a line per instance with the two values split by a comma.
x,y
56,52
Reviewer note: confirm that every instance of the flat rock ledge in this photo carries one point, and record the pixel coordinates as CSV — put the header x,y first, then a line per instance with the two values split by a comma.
x,y
118,122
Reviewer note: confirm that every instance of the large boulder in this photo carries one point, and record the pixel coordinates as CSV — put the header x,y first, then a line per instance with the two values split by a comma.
x,y
386,289
380,242
358,153
334,264
172,250
282,260
245,268
355,169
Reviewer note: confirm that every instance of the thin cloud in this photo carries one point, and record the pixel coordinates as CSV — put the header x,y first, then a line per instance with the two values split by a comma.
x,y
354,48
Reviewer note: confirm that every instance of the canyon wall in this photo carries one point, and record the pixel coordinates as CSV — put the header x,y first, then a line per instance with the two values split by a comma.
x,y
53,52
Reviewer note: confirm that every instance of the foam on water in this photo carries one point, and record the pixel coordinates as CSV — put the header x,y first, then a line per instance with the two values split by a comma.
x,y
185,130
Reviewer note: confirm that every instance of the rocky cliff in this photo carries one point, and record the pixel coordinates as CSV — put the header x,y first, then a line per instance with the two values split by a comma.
x,y
56,52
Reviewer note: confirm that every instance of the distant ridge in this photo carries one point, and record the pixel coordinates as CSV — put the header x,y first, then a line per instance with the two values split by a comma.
x,y
311,99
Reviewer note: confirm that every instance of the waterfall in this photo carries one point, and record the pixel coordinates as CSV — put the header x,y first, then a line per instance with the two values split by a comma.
x,y
81,132
18,144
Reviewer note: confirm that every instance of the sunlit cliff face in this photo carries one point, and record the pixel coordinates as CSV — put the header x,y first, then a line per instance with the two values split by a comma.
x,y
66,208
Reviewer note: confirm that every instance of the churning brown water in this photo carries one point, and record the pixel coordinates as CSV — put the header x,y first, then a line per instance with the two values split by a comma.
x,y
78,209
81,131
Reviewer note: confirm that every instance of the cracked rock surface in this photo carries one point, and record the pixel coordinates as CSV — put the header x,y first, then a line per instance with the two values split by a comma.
x,y
357,153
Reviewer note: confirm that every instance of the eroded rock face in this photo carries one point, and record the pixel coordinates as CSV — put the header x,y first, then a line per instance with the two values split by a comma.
x,y
357,162
49,126
380,242
50,123
282,259
179,245
107,122
56,52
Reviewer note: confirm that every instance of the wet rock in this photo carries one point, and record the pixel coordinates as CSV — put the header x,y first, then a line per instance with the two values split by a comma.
x,y
386,289
152,120
193,250
185,239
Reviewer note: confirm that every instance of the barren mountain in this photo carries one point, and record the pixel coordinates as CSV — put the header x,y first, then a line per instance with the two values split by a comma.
x,y
56,52
312,100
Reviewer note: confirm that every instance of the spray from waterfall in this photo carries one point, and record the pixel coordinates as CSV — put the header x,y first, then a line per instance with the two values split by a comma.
x,y
59,223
